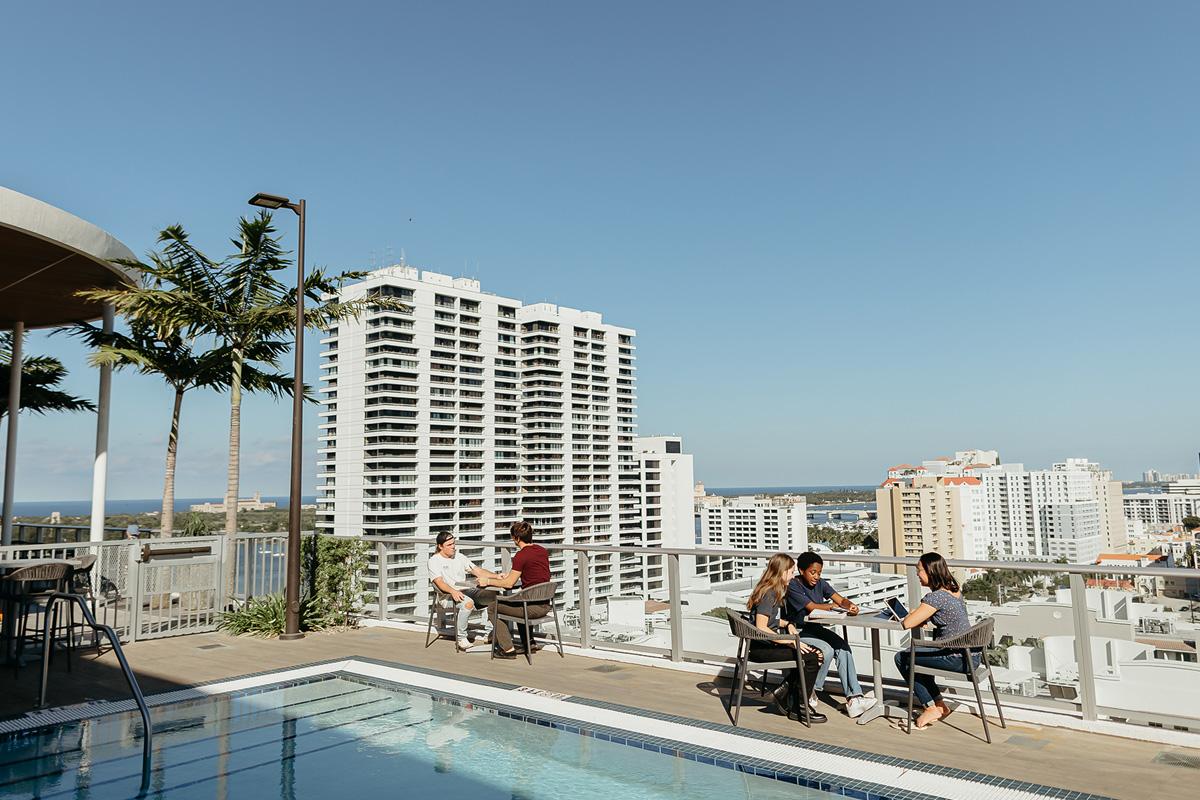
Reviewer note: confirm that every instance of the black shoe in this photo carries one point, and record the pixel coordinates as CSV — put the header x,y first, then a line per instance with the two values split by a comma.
x,y
783,697
501,654
815,717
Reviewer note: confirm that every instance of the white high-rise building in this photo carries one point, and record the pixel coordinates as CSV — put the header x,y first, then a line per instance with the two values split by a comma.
x,y
667,493
752,523
468,411
1072,511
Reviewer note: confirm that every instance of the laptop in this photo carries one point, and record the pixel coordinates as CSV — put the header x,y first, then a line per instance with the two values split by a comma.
x,y
895,610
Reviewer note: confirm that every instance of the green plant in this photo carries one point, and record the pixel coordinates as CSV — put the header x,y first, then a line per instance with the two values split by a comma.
x,y
193,525
264,616
330,567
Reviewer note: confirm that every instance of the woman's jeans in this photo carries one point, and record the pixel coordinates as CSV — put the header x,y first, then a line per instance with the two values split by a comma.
x,y
925,686
832,646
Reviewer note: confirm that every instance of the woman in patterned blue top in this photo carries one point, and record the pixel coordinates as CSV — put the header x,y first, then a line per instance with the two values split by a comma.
x,y
943,607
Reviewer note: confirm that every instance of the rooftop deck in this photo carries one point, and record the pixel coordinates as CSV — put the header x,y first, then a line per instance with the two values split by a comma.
x,y
1085,762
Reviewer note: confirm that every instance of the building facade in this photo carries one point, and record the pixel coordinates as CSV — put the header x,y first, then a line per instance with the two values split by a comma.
x,y
778,524
919,513
467,411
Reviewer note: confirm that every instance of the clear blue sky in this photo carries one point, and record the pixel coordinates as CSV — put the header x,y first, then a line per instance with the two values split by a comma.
x,y
848,234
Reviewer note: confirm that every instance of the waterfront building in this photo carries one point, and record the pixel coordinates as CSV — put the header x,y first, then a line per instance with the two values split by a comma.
x,y
255,503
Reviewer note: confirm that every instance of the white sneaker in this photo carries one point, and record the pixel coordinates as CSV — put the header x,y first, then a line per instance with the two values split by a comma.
x,y
857,705
462,644
812,701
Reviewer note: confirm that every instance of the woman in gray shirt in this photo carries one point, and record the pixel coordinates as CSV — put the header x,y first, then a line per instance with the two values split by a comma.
x,y
944,609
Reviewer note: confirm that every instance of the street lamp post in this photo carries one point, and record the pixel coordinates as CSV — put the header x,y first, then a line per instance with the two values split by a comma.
x,y
291,627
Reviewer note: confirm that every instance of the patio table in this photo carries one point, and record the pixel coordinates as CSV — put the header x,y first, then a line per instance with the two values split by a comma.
x,y
875,624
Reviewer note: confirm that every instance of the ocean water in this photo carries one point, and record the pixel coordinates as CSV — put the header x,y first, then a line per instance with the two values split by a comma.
x,y
81,508
740,490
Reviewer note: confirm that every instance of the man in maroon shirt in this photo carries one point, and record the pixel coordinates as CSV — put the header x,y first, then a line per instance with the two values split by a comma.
x,y
530,566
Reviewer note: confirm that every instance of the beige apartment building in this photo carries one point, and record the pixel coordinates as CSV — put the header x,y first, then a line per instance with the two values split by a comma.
x,y
920,513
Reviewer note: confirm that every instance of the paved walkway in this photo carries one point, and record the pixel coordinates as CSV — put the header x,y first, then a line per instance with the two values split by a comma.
x,y
1106,765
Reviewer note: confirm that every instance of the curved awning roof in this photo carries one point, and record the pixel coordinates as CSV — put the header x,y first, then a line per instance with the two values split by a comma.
x,y
46,255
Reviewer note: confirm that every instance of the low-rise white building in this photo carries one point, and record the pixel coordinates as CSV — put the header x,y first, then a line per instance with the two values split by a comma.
x,y
752,522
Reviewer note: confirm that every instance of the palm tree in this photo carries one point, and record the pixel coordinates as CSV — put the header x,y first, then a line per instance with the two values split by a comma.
x,y
241,303
183,368
40,379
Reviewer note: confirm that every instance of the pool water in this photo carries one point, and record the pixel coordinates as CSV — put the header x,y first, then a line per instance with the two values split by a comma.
x,y
339,738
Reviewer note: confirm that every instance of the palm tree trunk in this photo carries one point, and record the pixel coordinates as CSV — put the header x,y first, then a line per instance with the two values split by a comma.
x,y
231,483
168,503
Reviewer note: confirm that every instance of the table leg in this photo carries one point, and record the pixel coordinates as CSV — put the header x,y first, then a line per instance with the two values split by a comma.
x,y
880,709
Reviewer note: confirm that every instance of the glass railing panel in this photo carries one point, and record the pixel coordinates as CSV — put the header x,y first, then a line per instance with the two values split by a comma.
x,y
1142,637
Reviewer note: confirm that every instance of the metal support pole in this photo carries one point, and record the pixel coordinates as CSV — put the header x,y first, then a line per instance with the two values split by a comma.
x,y
381,571
1083,647
673,589
14,411
100,465
583,581
914,587
292,617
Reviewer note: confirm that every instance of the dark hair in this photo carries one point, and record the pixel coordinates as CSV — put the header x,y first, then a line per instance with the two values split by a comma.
x,y
806,560
444,537
522,531
938,573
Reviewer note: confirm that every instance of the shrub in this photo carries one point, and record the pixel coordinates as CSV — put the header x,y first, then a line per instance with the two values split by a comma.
x,y
330,591
264,616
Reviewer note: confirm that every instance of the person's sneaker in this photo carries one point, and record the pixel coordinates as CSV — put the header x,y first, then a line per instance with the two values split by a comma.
x,y
857,705
812,702
462,644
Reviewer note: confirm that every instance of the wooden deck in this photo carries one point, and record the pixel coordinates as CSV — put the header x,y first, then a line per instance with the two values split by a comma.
x,y
1106,765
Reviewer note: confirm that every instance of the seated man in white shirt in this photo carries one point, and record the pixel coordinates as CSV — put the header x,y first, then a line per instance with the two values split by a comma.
x,y
448,570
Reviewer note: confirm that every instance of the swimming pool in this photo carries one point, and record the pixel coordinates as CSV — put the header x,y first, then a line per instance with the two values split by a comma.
x,y
344,728
334,736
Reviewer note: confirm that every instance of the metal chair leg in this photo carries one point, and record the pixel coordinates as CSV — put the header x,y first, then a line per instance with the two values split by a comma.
x,y
557,632
429,630
527,635
995,696
802,682
979,701
739,678
912,688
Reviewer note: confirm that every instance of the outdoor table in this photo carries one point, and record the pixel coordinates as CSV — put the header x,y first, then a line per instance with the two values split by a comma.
x,y
875,624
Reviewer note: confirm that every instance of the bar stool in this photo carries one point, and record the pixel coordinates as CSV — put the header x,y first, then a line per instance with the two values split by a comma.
x,y
30,590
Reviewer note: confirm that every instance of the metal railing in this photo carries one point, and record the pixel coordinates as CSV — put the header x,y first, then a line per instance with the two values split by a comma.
x,y
1079,649
1086,624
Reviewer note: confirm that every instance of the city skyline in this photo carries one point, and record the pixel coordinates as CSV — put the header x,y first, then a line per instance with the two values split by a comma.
x,y
836,256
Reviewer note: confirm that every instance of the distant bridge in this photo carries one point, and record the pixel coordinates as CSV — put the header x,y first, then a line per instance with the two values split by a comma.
x,y
840,513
